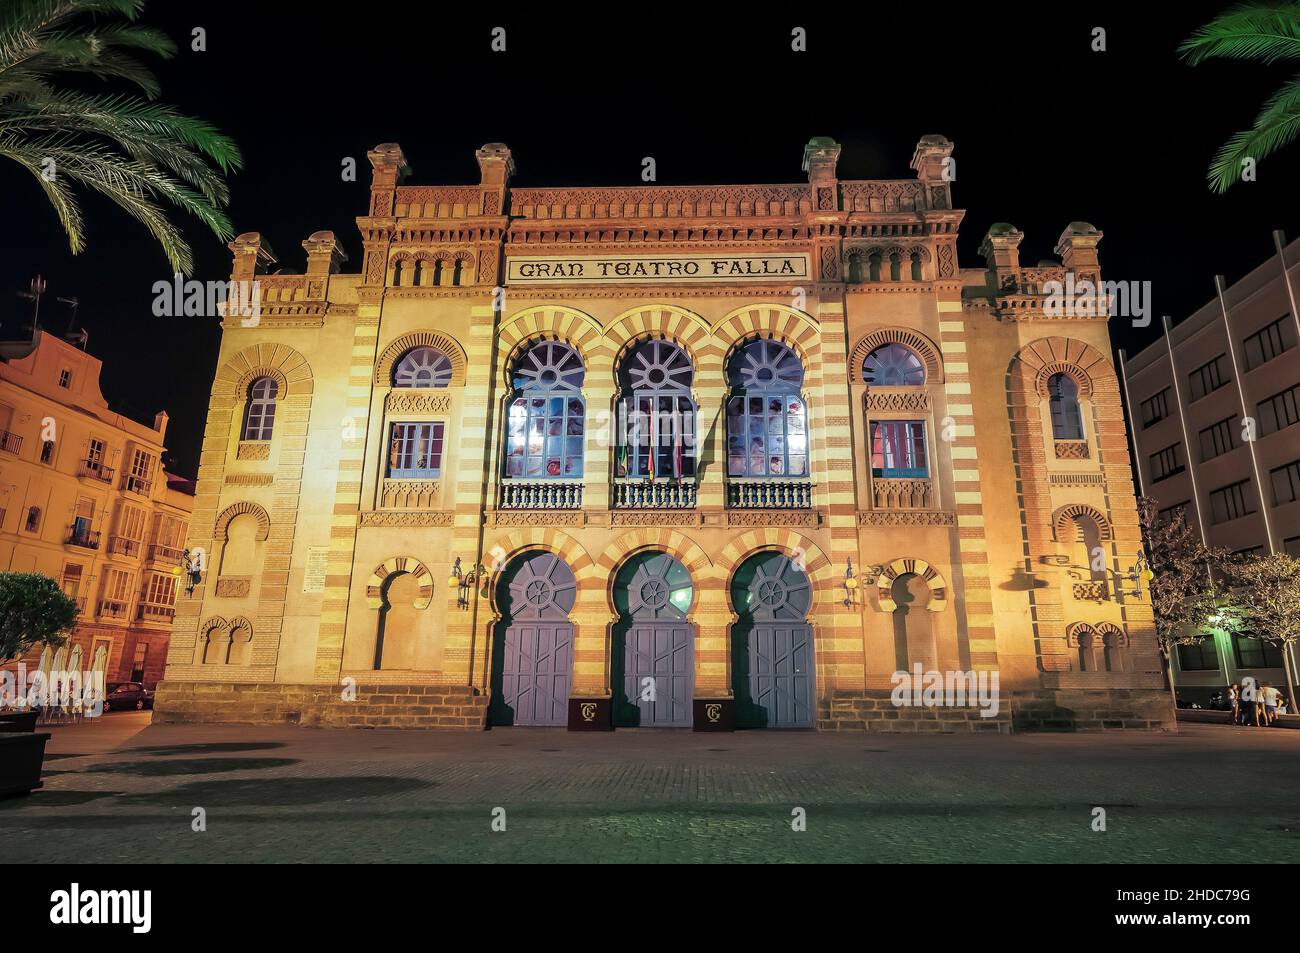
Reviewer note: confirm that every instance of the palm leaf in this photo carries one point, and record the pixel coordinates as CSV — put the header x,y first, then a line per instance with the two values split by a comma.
x,y
139,154
1251,32
1275,127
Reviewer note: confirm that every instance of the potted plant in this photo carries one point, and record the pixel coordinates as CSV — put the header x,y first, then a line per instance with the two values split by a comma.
x,y
33,611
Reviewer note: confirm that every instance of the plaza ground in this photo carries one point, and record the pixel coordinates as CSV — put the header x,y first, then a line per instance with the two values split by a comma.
x,y
118,789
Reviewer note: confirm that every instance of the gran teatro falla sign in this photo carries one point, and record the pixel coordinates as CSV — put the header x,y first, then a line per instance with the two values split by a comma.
x,y
661,269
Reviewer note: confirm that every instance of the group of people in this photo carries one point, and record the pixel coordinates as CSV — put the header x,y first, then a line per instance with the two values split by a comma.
x,y
1252,704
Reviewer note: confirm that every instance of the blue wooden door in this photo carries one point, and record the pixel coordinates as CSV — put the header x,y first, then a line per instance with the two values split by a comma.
x,y
775,666
658,658
536,667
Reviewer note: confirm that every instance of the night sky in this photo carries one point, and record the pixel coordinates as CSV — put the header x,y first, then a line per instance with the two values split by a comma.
x,y
1046,132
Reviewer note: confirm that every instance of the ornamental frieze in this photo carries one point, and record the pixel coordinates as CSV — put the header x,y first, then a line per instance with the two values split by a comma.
x,y
407,519
905,518
408,402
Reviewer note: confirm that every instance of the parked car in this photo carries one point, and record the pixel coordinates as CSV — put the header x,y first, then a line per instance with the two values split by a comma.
x,y
125,695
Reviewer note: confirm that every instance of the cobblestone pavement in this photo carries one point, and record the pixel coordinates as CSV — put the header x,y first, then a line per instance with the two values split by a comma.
x,y
119,789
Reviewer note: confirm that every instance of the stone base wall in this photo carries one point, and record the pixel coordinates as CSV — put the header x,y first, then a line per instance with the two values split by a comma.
x,y
874,710
1072,709
1044,710
321,706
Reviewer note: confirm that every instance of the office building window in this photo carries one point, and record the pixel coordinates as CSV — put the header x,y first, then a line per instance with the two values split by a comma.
x,y
1167,462
1286,483
1279,411
1230,502
1268,342
1208,377
1256,653
1219,438
1155,409
1198,656
1169,512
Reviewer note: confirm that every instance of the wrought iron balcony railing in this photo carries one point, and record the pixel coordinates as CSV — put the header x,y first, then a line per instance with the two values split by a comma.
x,y
633,494
769,494
96,471
83,537
541,495
10,442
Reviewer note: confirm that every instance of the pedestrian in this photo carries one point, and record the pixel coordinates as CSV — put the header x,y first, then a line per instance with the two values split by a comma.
x,y
1234,702
1268,696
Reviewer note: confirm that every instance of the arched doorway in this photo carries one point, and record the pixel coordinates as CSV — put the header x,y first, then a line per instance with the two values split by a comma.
x,y
653,669
771,644
533,661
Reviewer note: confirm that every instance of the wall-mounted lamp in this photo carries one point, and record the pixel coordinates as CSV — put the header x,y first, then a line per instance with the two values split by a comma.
x,y
191,567
1141,573
850,585
464,582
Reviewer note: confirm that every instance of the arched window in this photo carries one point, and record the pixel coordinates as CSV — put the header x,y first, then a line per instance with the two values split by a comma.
x,y
767,419
1063,401
422,367
855,268
893,365
656,413
547,419
259,412
895,266
917,273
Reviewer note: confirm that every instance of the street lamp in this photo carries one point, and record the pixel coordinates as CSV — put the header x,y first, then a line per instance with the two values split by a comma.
x,y
850,585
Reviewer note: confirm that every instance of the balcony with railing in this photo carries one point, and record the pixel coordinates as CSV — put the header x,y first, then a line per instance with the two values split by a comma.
x,y
152,613
81,605
769,494
642,494
124,546
165,554
91,470
112,609
541,495
137,484
10,442
83,537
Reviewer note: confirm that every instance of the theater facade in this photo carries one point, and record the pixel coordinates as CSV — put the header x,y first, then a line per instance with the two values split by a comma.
x,y
665,456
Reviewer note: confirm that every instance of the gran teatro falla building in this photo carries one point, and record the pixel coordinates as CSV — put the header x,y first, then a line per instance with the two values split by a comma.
x,y
664,456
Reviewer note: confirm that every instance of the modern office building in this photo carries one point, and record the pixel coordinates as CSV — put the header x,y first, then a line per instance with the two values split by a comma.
x,y
84,500
1216,437
664,456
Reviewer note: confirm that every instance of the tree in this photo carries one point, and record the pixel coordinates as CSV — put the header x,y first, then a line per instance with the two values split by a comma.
x,y
1185,599
33,611
1268,592
132,150
1266,33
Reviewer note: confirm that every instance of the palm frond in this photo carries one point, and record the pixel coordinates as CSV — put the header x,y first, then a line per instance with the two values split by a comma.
x,y
135,152
56,189
1276,126
1253,31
